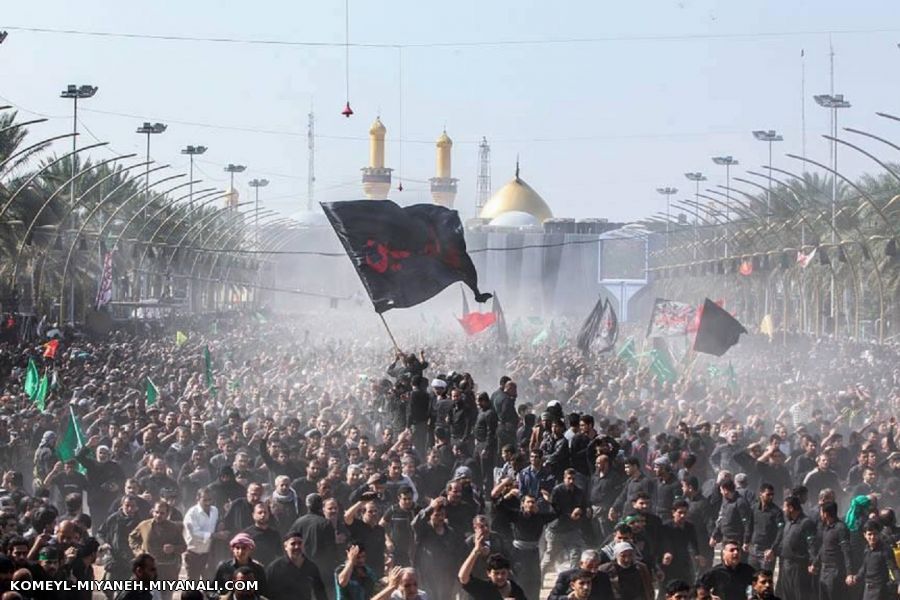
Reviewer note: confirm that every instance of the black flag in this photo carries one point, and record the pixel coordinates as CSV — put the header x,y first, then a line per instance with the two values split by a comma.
x,y
601,324
403,256
718,330
609,328
502,333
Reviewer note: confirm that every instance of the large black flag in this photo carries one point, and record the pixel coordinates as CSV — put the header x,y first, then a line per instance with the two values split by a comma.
x,y
601,324
404,256
718,330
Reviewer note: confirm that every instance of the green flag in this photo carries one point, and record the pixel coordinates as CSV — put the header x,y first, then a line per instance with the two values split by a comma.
x,y
180,338
540,338
31,379
72,441
732,378
627,353
40,397
152,393
207,360
661,366
261,318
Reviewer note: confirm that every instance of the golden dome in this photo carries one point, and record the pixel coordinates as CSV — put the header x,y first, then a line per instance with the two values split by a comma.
x,y
444,140
516,196
377,128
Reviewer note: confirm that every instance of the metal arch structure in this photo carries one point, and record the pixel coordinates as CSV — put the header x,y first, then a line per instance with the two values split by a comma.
x,y
267,246
36,147
864,244
50,199
71,248
122,204
219,241
191,208
190,277
37,173
166,205
171,205
70,209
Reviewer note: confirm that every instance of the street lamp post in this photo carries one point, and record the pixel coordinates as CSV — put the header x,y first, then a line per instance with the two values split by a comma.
x,y
834,102
149,129
74,92
696,177
192,151
728,161
232,169
668,192
256,184
768,136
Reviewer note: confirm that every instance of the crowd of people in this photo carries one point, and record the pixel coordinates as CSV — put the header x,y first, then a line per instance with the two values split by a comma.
x,y
304,458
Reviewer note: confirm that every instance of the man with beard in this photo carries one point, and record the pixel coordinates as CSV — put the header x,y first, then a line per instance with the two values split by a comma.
x,y
292,576
242,557
114,534
225,489
318,535
194,474
240,514
485,435
504,403
104,476
283,505
397,523
362,520
567,581
630,579
564,536
143,570
199,526
832,561
603,488
158,480
763,586
795,546
431,477
161,538
267,539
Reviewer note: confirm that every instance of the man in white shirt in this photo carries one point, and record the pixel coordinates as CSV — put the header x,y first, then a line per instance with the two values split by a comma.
x,y
199,525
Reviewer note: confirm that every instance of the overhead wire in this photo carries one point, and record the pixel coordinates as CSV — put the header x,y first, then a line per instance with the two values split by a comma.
x,y
346,44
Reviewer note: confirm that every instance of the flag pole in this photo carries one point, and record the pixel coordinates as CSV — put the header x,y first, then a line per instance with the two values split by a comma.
x,y
393,341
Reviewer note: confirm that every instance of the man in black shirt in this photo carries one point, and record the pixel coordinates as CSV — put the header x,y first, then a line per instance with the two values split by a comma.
x,y
397,523
143,569
362,520
498,585
767,522
567,581
729,579
794,545
564,536
293,576
603,490
485,434
418,413
832,561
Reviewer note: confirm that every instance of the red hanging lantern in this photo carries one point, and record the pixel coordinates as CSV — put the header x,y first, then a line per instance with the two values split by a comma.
x,y
347,110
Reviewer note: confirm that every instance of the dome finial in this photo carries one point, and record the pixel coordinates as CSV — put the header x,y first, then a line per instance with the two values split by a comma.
x,y
517,167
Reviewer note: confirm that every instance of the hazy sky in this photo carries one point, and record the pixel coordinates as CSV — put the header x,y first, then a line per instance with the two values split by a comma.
x,y
599,125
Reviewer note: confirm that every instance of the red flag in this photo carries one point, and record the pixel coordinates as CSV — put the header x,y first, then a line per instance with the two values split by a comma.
x,y
475,322
50,349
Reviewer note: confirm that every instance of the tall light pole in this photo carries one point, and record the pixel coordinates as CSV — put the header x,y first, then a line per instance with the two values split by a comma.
x,y
76,93
256,184
768,136
696,177
668,192
729,161
232,169
149,129
192,151
834,102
